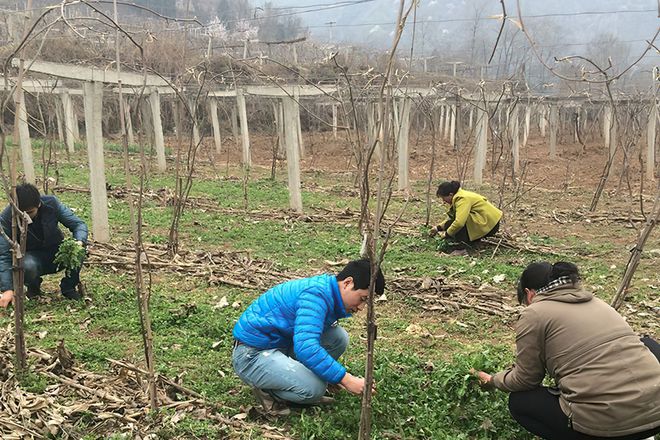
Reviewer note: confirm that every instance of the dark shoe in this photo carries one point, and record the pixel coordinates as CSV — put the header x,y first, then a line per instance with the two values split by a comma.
x,y
270,405
334,389
72,294
326,400
459,253
33,291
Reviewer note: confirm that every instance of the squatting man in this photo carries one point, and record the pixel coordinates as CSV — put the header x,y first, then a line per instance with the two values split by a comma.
x,y
288,340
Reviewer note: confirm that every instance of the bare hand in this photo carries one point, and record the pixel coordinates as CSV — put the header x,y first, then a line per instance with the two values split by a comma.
x,y
355,385
6,298
484,378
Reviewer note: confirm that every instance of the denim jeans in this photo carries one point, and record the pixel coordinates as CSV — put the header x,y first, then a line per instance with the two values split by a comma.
x,y
40,262
277,372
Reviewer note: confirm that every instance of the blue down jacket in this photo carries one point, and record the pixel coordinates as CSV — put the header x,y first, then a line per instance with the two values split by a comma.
x,y
51,212
296,313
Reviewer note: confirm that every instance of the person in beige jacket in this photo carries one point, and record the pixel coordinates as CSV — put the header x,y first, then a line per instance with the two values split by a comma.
x,y
608,380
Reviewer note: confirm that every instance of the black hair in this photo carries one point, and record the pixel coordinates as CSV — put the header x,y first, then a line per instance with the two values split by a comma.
x,y
539,274
28,196
360,271
565,269
447,188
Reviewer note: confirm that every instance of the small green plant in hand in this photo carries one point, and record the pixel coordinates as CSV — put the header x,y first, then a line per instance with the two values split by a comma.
x,y
70,255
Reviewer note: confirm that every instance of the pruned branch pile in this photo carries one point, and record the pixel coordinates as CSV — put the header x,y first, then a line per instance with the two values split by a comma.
x,y
80,402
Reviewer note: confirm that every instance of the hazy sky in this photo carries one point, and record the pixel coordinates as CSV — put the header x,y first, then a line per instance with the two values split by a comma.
x,y
446,21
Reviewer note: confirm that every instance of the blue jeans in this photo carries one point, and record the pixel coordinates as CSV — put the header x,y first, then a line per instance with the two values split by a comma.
x,y
276,371
40,262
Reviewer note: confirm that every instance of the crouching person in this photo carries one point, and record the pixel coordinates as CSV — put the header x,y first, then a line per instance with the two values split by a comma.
x,y
287,341
608,380
43,241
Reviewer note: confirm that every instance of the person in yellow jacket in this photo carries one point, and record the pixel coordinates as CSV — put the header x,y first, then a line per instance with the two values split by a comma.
x,y
470,218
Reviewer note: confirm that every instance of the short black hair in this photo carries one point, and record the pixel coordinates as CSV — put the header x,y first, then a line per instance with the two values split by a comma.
x,y
446,188
539,274
360,271
28,196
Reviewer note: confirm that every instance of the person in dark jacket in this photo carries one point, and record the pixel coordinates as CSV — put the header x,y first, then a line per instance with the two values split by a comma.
x,y
43,240
287,341
607,379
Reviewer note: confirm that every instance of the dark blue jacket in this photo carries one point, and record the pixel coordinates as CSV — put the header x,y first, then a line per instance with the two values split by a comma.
x,y
296,313
51,212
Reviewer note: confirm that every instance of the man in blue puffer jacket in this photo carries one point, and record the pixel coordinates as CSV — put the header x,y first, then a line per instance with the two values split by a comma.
x,y
287,342
43,240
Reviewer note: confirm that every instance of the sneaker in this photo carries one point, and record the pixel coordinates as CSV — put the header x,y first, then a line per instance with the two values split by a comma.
x,y
270,405
72,294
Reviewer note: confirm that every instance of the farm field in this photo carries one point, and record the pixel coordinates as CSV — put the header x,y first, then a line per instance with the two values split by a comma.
x,y
440,315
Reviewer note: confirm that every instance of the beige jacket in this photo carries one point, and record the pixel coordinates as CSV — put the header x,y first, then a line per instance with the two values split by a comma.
x,y
609,382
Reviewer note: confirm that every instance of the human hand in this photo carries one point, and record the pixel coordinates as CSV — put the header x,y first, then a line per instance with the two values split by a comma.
x,y
433,232
484,378
6,298
80,243
354,384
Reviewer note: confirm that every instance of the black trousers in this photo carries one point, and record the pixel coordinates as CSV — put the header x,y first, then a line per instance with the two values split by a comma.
x,y
538,411
462,235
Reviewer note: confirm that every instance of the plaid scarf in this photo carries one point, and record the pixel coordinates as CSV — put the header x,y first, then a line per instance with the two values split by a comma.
x,y
561,281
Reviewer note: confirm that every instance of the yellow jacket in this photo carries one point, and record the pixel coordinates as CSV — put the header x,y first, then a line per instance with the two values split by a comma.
x,y
473,211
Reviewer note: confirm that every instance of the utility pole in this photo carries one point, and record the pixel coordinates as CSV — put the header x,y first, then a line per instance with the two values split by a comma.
x,y
332,23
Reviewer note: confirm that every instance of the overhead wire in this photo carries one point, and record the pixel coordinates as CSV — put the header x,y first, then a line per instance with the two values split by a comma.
x,y
490,18
347,2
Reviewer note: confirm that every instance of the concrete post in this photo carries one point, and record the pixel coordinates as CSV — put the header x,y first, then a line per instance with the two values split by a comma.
x,y
471,122
609,130
452,127
245,135
515,139
192,104
24,136
554,122
543,122
93,96
59,121
292,153
403,129
650,142
448,117
528,120
129,122
443,113
278,115
296,101
213,113
69,121
334,120
482,145
147,121
75,125
372,135
234,124
159,140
